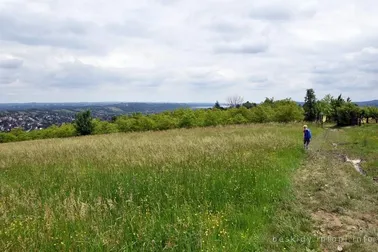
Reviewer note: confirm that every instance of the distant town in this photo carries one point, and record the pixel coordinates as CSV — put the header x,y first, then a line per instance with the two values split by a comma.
x,y
37,116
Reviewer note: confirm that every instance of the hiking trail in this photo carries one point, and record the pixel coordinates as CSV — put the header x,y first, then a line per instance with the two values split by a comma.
x,y
341,203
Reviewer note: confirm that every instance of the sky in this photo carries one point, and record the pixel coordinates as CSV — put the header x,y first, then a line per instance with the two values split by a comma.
x,y
186,50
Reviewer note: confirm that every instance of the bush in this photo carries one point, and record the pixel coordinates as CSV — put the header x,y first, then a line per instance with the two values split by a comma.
x,y
238,119
20,134
187,120
262,114
7,137
213,118
146,123
104,127
127,124
165,122
288,113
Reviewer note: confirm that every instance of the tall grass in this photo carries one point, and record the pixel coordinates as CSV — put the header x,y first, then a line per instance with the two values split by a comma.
x,y
211,189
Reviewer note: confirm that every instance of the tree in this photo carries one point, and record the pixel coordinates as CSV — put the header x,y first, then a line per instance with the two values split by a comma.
x,y
83,123
310,105
249,105
235,101
324,106
374,113
217,105
335,104
269,101
366,113
348,114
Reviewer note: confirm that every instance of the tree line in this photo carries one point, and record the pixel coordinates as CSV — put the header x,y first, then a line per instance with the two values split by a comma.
x,y
341,111
269,111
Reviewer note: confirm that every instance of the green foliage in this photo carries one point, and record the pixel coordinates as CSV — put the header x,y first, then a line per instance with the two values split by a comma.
x,y
18,133
270,111
335,105
268,101
369,112
309,106
7,137
237,116
83,123
262,114
249,105
165,121
374,113
348,114
289,112
212,118
104,127
127,124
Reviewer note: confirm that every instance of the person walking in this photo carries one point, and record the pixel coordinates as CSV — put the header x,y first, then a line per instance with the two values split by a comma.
x,y
306,136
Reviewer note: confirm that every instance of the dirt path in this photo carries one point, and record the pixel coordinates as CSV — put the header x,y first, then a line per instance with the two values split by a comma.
x,y
342,203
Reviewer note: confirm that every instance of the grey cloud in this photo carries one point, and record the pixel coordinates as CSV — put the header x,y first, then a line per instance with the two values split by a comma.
x,y
229,26
242,48
258,79
367,60
213,87
272,13
11,63
283,11
70,34
350,81
8,75
35,30
79,75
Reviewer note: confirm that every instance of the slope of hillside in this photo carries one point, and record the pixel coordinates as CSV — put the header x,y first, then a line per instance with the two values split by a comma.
x,y
211,189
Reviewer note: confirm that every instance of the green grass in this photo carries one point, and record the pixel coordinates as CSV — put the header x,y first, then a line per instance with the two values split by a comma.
x,y
210,189
360,142
342,203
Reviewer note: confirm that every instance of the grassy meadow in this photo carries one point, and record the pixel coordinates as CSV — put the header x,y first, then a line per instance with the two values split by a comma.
x,y
202,189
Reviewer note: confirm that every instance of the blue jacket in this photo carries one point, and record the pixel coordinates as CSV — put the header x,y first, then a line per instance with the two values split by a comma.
x,y
307,134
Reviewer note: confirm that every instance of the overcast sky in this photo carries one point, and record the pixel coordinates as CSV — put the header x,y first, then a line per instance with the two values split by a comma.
x,y
186,50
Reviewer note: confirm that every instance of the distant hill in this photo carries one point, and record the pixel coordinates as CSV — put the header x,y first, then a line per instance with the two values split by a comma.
x,y
368,103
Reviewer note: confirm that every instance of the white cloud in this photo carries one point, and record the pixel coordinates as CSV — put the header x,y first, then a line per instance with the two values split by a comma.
x,y
181,50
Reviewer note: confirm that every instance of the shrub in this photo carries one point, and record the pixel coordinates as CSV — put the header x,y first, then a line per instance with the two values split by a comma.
x,y
7,137
127,124
262,114
165,122
288,113
104,127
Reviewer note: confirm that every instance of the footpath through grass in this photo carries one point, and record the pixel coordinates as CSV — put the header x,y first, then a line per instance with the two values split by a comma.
x,y
342,203
210,189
